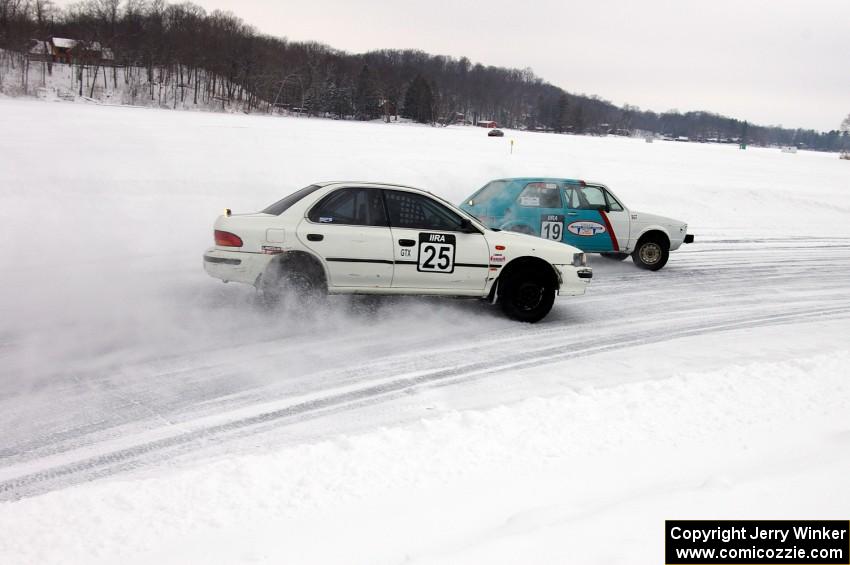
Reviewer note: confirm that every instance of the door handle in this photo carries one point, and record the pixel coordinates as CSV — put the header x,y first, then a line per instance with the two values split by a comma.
x,y
315,237
572,213
406,242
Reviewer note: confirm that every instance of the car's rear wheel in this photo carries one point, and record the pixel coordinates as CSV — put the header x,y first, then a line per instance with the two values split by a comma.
x,y
527,296
614,256
296,286
651,254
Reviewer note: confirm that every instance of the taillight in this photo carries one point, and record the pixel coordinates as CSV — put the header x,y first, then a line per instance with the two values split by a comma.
x,y
227,239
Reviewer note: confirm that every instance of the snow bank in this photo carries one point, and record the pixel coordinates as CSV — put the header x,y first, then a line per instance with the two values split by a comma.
x,y
541,481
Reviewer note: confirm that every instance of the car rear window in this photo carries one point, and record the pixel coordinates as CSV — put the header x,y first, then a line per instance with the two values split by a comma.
x,y
540,195
284,204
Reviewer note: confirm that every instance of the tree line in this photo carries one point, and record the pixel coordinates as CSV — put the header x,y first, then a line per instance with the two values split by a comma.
x,y
215,57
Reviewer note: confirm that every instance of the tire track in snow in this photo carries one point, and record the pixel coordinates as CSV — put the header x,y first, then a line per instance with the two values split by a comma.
x,y
722,287
112,462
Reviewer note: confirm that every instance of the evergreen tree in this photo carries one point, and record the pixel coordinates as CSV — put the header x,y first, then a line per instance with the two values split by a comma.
x,y
578,120
366,98
419,101
562,121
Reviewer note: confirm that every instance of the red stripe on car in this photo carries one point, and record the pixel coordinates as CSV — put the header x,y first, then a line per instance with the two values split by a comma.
x,y
610,230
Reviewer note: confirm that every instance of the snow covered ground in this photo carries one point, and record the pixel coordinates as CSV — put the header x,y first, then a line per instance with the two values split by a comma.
x,y
151,414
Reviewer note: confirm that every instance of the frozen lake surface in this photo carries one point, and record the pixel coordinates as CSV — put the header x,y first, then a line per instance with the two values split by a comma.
x,y
152,414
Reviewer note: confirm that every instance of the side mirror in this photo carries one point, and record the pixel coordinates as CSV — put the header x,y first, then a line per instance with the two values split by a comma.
x,y
466,226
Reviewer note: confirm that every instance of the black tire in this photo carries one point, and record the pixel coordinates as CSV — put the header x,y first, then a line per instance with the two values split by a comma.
x,y
614,256
651,254
294,285
527,296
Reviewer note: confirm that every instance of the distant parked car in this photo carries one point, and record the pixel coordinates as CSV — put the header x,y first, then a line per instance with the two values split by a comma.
x,y
585,215
373,238
495,133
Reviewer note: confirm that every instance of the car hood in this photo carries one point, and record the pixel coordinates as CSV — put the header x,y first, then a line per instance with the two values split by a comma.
x,y
644,218
520,244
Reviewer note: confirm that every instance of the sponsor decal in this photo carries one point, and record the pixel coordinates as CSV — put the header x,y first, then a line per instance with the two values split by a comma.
x,y
585,228
497,258
325,220
529,200
271,250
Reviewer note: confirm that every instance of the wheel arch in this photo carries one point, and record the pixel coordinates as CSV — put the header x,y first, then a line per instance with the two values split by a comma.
x,y
653,232
295,259
526,263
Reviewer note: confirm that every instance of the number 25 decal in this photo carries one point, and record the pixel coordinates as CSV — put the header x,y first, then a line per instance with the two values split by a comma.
x,y
436,253
552,227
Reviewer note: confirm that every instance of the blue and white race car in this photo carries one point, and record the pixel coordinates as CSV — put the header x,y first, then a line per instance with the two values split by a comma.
x,y
581,214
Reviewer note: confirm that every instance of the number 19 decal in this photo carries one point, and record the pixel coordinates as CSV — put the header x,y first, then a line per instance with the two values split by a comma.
x,y
436,253
552,227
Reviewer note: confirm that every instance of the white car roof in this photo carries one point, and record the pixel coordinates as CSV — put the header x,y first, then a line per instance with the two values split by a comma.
x,y
369,184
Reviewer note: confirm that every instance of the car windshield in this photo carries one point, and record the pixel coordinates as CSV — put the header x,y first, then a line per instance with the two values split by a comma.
x,y
283,204
494,189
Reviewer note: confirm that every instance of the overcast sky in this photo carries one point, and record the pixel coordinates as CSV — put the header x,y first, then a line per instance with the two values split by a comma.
x,y
772,62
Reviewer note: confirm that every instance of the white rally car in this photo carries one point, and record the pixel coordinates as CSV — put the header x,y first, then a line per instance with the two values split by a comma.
x,y
371,238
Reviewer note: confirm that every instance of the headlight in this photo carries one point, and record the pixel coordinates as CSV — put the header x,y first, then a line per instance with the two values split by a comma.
x,y
579,260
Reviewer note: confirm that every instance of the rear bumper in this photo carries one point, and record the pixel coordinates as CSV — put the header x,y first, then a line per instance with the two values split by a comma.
x,y
235,266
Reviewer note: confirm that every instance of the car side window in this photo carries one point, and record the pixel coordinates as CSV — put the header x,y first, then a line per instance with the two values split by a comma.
x,y
352,207
571,198
540,195
594,196
613,205
585,197
415,211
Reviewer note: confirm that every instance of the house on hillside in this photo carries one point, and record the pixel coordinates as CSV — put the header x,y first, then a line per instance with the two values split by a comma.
x,y
39,50
61,49
388,107
487,124
64,50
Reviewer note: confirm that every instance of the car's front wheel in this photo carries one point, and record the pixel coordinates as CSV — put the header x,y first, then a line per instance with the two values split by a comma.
x,y
651,254
527,296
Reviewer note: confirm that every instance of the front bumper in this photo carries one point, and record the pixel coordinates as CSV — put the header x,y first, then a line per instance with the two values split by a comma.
x,y
574,280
